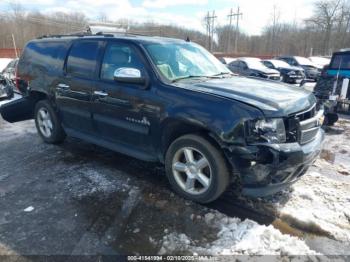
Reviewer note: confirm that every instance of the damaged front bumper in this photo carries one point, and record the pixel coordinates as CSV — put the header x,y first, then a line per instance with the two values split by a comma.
x,y
266,169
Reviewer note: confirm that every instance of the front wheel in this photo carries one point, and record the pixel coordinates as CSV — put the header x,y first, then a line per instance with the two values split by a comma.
x,y
47,123
196,169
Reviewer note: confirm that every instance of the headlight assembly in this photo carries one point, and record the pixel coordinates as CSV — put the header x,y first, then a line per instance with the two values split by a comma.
x,y
266,131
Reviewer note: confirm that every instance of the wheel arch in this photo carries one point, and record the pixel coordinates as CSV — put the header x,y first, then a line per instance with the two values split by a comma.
x,y
174,128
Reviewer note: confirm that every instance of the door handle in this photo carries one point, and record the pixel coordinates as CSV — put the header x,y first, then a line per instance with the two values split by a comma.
x,y
100,93
63,86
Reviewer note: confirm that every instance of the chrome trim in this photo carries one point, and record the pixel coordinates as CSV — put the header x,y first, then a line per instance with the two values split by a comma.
x,y
100,93
319,114
308,110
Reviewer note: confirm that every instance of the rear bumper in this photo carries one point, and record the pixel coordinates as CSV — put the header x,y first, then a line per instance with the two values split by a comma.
x,y
268,169
17,110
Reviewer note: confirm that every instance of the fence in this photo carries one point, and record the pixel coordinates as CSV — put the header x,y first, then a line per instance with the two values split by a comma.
x,y
9,52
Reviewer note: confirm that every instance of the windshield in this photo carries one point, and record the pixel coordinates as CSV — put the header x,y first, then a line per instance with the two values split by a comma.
x,y
280,63
183,60
341,61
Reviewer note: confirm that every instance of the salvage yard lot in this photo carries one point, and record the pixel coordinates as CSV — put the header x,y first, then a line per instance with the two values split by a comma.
x,y
79,199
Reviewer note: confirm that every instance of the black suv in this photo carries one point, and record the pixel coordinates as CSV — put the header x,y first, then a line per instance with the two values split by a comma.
x,y
310,69
169,101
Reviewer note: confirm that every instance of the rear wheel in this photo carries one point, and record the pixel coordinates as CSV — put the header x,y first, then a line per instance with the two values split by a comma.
x,y
48,124
196,169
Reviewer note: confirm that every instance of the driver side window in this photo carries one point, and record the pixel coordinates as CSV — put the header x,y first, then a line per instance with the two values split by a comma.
x,y
119,56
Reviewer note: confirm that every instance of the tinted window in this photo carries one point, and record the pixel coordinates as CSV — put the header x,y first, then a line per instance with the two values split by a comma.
x,y
82,59
118,56
235,63
46,55
243,65
268,64
341,61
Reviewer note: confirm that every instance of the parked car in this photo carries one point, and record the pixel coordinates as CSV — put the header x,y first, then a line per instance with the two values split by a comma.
x,y
169,101
290,74
6,88
249,66
227,60
311,71
10,70
319,61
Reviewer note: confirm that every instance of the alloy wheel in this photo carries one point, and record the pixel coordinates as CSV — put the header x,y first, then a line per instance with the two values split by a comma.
x,y
45,122
192,170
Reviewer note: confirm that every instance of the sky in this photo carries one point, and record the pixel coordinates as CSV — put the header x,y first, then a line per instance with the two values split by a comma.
x,y
186,13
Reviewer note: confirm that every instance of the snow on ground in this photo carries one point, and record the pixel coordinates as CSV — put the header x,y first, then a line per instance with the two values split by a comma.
x,y
319,202
236,237
319,205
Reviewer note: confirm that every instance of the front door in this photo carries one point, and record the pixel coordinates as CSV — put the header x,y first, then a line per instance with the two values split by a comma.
x,y
124,114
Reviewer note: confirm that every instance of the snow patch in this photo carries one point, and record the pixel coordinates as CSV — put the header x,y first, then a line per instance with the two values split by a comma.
x,y
319,205
236,237
28,209
88,182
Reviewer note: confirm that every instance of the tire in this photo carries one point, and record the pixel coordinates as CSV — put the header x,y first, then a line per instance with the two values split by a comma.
x,y
47,123
181,172
331,119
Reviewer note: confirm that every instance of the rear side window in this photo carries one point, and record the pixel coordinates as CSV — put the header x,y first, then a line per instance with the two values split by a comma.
x,y
82,59
46,55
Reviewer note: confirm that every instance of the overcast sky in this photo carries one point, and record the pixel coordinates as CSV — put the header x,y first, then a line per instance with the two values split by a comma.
x,y
187,13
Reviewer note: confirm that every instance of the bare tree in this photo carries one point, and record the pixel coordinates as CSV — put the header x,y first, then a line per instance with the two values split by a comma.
x,y
325,17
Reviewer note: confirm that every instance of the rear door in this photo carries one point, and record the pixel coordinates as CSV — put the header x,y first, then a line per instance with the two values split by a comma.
x,y
74,88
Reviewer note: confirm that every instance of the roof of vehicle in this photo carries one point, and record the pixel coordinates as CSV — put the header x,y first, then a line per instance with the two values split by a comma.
x,y
276,61
249,59
123,36
4,62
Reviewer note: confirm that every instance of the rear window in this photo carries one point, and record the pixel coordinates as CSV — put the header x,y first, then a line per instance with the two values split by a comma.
x,y
341,61
49,55
82,59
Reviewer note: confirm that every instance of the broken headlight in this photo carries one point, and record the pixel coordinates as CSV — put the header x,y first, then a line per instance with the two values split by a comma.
x,y
266,131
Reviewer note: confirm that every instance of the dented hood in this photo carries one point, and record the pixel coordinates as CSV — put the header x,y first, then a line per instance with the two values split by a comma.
x,y
274,99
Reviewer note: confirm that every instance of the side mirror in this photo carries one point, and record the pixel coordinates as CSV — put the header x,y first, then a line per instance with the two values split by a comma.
x,y
129,75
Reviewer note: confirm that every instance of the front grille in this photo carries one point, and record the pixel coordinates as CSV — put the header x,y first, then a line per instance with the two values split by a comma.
x,y
274,77
303,127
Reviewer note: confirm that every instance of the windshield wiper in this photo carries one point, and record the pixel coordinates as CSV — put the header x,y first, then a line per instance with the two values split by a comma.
x,y
222,74
187,77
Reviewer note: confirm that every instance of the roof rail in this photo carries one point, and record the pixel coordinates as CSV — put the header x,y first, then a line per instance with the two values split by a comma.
x,y
101,33
76,35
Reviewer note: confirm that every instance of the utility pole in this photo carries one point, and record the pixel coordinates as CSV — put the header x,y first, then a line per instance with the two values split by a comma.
x,y
210,23
229,32
237,15
14,45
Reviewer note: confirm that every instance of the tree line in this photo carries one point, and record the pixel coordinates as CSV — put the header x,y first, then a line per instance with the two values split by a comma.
x,y
327,30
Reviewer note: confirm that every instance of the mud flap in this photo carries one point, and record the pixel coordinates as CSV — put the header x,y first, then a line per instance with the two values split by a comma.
x,y
18,110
